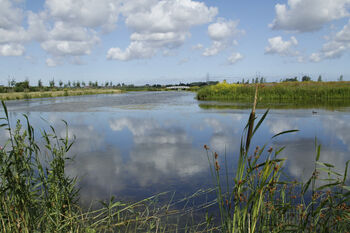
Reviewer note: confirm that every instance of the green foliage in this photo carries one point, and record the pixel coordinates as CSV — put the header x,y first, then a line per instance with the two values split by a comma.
x,y
305,78
260,201
295,79
52,83
35,193
286,91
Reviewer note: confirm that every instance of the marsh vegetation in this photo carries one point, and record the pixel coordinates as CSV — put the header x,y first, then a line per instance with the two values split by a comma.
x,y
306,92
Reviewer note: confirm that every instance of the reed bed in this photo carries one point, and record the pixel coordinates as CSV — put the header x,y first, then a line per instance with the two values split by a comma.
x,y
258,200
283,92
48,94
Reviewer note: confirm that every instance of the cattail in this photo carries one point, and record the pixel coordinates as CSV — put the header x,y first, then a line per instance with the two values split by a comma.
x,y
270,150
217,166
216,155
256,150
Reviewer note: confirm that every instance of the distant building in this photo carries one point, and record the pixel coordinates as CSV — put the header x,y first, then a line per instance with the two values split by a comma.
x,y
178,87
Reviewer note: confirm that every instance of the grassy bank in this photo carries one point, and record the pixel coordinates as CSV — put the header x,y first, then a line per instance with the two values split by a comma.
x,y
56,93
279,92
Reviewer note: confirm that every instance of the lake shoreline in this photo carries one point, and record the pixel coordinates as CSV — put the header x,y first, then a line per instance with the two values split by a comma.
x,y
58,93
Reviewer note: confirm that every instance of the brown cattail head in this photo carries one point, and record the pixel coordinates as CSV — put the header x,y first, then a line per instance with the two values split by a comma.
x,y
216,155
217,166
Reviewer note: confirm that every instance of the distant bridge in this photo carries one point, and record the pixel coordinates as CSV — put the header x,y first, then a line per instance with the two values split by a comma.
x,y
178,87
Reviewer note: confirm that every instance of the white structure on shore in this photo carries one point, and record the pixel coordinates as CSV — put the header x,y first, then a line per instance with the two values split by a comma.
x,y
178,87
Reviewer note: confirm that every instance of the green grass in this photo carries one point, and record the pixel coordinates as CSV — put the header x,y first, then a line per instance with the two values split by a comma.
x,y
57,93
277,92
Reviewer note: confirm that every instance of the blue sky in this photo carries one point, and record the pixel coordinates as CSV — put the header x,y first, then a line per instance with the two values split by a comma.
x,y
171,41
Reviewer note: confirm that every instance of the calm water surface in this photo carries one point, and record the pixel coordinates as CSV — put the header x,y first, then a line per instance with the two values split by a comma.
x,y
138,144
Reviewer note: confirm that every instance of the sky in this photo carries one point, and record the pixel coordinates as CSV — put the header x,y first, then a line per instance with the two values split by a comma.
x,y
171,41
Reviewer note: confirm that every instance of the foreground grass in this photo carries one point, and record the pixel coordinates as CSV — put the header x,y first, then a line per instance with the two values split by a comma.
x,y
46,94
278,92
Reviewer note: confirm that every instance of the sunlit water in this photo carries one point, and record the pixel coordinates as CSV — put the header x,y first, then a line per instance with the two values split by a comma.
x,y
138,144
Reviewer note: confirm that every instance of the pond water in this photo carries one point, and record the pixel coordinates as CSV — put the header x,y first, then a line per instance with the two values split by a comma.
x,y
137,144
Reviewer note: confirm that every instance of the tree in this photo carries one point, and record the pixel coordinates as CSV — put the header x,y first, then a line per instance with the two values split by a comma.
x,y
21,86
341,78
60,83
12,82
295,79
106,84
52,83
305,78
40,83
69,84
83,84
319,79
78,83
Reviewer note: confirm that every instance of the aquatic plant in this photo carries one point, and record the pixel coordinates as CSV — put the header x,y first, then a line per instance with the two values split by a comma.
x,y
260,201
286,91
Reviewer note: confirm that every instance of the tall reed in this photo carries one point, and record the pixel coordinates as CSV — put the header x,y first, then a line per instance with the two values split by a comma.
x,y
260,201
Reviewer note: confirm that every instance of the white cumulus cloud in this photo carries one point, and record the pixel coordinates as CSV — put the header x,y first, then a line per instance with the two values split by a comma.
x,y
284,48
12,33
160,25
11,50
69,29
234,58
308,15
86,13
223,33
335,47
